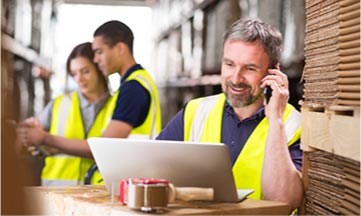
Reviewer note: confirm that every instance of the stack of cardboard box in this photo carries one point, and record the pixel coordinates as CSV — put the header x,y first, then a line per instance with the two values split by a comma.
x,y
333,185
332,71
331,109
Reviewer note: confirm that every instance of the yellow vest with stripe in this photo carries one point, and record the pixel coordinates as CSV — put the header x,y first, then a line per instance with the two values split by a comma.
x,y
64,169
203,122
152,125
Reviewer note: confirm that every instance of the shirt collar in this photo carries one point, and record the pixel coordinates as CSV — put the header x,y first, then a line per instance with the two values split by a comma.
x,y
131,70
257,116
85,103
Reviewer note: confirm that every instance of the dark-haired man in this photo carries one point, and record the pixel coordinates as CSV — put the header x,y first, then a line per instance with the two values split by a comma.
x,y
137,112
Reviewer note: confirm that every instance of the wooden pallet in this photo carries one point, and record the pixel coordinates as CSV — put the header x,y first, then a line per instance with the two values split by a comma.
x,y
335,129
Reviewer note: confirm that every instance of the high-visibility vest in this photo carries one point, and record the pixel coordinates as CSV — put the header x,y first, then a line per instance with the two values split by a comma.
x,y
203,122
152,125
65,169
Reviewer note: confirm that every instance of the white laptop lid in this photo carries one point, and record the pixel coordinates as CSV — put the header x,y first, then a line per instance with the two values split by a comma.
x,y
184,164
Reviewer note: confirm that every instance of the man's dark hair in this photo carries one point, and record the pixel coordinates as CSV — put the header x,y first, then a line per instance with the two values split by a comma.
x,y
115,31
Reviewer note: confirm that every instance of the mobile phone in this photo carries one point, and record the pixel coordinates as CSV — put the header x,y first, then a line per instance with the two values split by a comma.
x,y
267,92
42,151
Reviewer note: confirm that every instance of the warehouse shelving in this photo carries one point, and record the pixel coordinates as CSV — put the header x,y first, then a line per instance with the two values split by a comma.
x,y
24,30
189,41
13,46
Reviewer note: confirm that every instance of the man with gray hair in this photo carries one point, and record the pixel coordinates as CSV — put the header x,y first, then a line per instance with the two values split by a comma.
x,y
262,131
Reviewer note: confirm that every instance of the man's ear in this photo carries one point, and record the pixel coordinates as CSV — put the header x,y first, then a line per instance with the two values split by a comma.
x,y
123,48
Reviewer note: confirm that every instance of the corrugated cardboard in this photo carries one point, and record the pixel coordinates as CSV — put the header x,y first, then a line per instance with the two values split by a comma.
x,y
332,53
332,188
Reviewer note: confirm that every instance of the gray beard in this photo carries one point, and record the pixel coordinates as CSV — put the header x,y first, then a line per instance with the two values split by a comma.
x,y
238,103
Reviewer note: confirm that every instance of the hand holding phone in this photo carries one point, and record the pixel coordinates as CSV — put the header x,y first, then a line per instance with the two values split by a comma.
x,y
267,92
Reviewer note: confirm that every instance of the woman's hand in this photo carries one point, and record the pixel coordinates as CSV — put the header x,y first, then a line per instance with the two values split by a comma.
x,y
32,135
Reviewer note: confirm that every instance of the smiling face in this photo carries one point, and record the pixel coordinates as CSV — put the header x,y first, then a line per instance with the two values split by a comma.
x,y
244,64
85,75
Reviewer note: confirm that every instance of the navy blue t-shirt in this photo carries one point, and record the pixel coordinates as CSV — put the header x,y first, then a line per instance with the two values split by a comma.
x,y
133,100
231,125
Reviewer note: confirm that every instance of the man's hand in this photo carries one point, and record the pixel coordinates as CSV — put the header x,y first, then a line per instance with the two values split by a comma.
x,y
278,81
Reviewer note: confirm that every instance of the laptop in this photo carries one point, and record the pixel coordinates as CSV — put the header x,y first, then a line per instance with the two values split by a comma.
x,y
184,164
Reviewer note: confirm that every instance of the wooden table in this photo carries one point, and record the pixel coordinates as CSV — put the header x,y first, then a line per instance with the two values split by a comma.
x,y
94,200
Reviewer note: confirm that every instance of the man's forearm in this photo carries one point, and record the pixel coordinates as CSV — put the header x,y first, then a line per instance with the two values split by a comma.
x,y
280,179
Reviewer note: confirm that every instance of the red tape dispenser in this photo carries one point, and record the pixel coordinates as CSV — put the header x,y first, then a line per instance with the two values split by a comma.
x,y
145,194
152,195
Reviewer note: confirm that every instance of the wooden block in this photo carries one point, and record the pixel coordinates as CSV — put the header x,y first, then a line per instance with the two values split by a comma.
x,y
307,148
315,129
332,132
345,136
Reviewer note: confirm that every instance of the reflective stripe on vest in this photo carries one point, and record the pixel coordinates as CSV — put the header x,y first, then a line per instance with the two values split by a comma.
x,y
200,117
153,122
64,169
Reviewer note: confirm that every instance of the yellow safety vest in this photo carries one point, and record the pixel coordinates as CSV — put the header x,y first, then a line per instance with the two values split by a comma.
x,y
152,125
203,122
64,169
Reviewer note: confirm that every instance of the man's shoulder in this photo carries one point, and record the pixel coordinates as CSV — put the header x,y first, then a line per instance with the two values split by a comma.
x,y
131,85
207,99
133,91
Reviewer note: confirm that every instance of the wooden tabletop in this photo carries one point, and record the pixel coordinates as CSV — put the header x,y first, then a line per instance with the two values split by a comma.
x,y
95,200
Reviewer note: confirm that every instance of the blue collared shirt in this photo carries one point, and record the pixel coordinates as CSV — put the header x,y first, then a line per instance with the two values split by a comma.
x,y
235,133
133,100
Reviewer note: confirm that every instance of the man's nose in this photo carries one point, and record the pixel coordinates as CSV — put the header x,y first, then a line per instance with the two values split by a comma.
x,y
237,76
95,59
